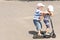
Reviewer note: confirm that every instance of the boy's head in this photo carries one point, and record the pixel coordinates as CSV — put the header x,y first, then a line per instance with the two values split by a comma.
x,y
50,8
40,6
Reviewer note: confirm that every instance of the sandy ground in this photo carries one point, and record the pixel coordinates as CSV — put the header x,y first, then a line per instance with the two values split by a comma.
x,y
16,20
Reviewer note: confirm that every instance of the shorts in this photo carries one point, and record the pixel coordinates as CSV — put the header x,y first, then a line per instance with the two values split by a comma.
x,y
38,24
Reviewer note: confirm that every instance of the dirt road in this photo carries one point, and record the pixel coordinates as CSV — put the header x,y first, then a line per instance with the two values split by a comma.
x,y
16,20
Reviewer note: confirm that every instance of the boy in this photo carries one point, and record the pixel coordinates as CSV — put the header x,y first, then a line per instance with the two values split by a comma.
x,y
47,15
38,17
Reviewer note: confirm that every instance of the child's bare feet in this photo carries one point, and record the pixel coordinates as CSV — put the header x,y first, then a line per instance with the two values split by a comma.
x,y
47,32
39,33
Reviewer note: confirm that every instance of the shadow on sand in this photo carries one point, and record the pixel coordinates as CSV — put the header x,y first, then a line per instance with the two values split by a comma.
x,y
33,32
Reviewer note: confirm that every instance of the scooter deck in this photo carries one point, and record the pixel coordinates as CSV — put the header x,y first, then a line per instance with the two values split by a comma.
x,y
37,37
41,37
44,36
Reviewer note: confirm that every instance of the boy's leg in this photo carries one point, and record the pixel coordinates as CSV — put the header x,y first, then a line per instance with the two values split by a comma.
x,y
47,25
38,26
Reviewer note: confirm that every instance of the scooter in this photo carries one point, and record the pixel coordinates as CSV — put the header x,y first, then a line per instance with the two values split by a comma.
x,y
52,34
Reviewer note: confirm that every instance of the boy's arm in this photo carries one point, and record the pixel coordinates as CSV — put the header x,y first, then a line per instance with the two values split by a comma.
x,y
41,16
50,13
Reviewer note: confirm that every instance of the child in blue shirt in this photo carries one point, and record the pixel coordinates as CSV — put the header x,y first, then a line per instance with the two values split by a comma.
x,y
38,17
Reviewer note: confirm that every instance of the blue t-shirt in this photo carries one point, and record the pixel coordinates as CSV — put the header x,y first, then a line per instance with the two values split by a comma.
x,y
37,14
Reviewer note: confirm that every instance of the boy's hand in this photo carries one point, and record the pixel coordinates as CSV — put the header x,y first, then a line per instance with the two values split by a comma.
x,y
41,18
50,12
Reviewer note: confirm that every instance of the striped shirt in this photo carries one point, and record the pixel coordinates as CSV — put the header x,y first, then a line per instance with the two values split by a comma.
x,y
37,14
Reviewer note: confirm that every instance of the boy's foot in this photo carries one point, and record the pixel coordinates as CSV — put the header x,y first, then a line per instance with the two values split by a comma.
x,y
47,31
40,35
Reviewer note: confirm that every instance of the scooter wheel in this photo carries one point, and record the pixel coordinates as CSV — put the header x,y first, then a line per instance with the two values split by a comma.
x,y
54,35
